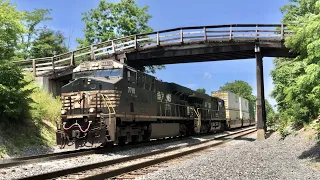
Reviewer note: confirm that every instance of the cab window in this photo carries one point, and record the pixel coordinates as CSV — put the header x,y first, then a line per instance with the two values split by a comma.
x,y
108,73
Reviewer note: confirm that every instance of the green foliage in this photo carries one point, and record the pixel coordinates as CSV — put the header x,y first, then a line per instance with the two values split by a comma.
x,y
38,127
244,90
44,106
14,101
201,90
239,87
31,22
11,28
297,81
47,42
114,20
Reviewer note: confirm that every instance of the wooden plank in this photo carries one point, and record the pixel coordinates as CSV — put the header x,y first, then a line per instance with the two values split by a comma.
x,y
193,32
172,39
193,37
51,68
44,64
225,31
243,31
82,54
104,48
220,35
65,59
169,35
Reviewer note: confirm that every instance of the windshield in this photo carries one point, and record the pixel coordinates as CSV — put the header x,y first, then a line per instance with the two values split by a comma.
x,y
98,73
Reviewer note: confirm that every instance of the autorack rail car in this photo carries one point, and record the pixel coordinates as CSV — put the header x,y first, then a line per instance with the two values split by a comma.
x,y
108,102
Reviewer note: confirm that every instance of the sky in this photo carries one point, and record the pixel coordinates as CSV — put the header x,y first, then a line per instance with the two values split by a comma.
x,y
168,14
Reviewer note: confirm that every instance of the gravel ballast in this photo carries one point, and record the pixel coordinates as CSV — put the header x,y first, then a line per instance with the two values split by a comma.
x,y
49,166
246,158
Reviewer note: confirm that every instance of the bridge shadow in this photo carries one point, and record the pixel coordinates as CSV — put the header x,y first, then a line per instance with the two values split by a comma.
x,y
313,153
269,133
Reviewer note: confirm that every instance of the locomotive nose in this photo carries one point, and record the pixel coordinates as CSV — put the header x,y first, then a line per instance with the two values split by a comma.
x,y
88,84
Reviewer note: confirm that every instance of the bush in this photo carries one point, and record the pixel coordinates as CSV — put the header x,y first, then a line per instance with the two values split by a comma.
x,y
44,106
36,111
14,98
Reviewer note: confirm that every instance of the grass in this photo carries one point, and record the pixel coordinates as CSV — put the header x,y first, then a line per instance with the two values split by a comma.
x,y
39,130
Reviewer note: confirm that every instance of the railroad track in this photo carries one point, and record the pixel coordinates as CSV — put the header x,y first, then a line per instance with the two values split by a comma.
x,y
76,153
69,154
122,166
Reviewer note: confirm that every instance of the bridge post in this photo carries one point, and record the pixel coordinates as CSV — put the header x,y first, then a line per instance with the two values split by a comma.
x,y
230,33
135,42
92,55
260,103
282,32
181,35
158,39
34,67
205,34
72,61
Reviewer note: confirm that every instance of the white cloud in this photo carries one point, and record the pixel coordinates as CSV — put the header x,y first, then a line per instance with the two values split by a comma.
x,y
207,75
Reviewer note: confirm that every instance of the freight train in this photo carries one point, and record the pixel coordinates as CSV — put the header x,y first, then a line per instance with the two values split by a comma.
x,y
108,102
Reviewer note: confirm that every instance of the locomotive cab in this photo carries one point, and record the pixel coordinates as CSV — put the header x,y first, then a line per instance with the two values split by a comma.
x,y
89,103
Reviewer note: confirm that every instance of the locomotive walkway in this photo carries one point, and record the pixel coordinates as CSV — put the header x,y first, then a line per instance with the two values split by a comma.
x,y
179,45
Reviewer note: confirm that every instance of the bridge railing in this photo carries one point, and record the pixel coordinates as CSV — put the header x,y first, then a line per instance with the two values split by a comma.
x,y
184,35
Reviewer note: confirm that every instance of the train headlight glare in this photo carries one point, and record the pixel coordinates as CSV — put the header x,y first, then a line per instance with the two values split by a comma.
x,y
91,110
63,111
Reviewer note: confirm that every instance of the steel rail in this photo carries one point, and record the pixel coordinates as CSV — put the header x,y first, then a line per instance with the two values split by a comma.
x,y
78,169
82,152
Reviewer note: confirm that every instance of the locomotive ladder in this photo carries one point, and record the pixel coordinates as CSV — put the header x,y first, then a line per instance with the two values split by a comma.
x,y
110,123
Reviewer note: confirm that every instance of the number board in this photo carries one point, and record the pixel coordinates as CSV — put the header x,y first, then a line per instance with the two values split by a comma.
x,y
106,63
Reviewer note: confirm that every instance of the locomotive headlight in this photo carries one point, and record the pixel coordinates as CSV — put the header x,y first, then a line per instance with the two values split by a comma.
x,y
91,110
63,111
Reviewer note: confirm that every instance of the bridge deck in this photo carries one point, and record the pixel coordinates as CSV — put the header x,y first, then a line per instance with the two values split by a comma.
x,y
179,45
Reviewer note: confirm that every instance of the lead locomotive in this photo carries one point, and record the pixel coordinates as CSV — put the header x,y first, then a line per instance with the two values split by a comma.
x,y
108,102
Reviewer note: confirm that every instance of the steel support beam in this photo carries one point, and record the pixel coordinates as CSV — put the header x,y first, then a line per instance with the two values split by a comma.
x,y
260,104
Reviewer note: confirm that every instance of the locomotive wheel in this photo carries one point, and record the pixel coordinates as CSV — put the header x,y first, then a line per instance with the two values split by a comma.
x,y
136,138
122,140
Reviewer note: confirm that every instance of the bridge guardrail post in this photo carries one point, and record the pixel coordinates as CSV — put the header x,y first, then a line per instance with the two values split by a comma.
x,y
158,39
181,35
92,56
205,33
113,47
257,32
230,35
34,67
135,42
72,62
282,32
52,59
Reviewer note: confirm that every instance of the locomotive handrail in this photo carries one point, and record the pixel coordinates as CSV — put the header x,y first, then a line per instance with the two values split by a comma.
x,y
114,112
138,42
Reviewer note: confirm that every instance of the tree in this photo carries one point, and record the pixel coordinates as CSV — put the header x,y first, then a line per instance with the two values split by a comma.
x,y
113,20
31,21
201,90
47,42
11,28
297,80
239,87
14,101
244,90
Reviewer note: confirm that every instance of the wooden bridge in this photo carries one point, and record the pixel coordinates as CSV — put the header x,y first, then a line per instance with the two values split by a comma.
x,y
179,45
